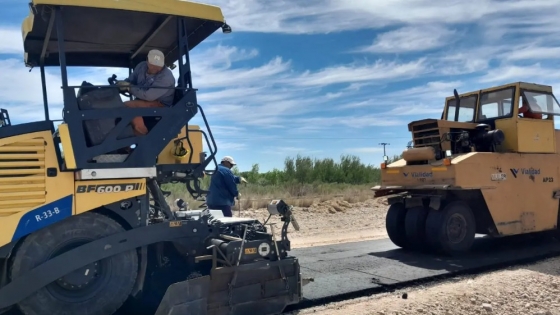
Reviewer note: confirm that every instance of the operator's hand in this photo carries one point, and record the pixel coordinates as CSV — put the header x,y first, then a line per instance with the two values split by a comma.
x,y
243,180
238,196
124,86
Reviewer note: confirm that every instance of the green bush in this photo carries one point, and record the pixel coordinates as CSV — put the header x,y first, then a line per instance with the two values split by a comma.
x,y
305,170
303,176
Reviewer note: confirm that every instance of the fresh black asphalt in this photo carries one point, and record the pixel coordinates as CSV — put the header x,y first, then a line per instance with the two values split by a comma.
x,y
348,268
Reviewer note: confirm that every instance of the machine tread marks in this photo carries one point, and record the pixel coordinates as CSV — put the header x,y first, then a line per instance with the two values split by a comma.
x,y
395,224
415,227
454,220
118,273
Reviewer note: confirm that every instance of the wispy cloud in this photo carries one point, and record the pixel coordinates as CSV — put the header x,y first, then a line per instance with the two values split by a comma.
x,y
511,73
264,94
11,40
411,39
314,16
356,73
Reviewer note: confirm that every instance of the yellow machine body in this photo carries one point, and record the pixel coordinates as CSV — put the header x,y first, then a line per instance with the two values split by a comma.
x,y
31,199
518,191
178,150
501,166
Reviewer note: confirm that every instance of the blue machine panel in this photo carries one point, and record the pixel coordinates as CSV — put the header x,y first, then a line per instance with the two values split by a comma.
x,y
44,216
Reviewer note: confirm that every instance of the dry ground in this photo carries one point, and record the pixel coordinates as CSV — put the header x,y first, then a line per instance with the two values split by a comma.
x,y
331,221
529,290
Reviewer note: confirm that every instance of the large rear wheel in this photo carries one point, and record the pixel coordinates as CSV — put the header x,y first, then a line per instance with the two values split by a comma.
x,y
451,230
96,289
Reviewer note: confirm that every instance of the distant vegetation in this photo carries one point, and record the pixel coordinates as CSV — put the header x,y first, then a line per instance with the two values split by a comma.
x,y
305,179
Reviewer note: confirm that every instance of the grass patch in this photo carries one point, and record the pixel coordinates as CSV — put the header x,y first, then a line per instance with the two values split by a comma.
x,y
300,195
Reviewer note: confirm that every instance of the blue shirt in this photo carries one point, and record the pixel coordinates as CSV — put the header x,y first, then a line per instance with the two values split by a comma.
x,y
223,188
144,81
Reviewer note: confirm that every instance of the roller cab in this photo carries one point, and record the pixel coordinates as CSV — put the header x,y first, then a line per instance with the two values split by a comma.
x,y
488,166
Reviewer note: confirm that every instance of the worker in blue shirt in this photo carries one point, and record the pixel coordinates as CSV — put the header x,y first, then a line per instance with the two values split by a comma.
x,y
223,187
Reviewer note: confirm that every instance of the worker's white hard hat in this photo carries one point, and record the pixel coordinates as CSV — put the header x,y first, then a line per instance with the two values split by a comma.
x,y
156,58
228,159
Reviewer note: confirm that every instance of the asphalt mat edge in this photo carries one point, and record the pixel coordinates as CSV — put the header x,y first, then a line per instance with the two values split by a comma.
x,y
513,251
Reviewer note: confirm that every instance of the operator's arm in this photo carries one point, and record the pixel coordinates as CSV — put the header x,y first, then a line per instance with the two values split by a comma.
x,y
236,179
133,77
166,80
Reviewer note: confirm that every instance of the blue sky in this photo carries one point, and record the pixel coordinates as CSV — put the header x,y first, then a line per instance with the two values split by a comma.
x,y
331,77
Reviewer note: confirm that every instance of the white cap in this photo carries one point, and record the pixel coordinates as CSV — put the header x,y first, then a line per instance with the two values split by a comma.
x,y
228,159
156,58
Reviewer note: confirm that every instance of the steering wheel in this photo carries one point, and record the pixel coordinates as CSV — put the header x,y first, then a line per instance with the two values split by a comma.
x,y
113,81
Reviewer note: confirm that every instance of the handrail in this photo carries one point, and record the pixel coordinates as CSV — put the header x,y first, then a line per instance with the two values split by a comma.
x,y
213,154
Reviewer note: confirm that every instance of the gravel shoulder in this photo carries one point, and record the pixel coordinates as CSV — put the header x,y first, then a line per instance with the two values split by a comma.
x,y
527,290
332,221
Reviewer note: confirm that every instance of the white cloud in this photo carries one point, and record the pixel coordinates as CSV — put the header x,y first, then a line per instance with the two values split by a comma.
x,y
425,100
314,16
248,97
22,95
353,121
411,39
513,73
355,73
532,52
11,40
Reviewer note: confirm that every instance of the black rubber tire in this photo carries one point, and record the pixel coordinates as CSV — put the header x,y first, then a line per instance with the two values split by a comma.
x,y
437,223
415,227
394,224
116,278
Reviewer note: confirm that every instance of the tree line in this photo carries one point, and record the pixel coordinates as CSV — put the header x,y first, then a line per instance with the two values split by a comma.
x,y
306,170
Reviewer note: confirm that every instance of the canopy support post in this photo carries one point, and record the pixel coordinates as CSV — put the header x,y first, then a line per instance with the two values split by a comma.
x,y
48,34
61,48
185,78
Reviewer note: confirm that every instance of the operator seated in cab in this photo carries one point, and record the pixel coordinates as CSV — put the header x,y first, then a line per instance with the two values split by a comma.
x,y
151,72
525,109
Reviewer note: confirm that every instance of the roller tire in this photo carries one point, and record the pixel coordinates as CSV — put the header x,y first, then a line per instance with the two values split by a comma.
x,y
415,227
440,239
117,274
395,224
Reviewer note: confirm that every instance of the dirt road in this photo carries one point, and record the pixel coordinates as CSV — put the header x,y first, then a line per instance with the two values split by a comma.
x,y
333,221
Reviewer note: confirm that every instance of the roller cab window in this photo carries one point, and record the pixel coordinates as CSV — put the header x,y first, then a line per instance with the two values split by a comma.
x,y
496,104
538,102
467,106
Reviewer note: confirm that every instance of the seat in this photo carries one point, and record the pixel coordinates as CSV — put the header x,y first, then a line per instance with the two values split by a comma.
x,y
100,98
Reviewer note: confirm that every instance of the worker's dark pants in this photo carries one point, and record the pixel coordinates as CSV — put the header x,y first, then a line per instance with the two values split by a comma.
x,y
226,210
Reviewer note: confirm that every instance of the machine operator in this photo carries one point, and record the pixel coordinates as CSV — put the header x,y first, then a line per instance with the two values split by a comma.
x,y
525,109
223,187
151,72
